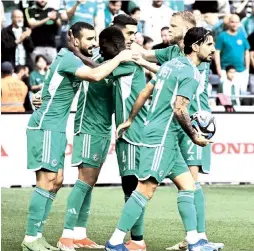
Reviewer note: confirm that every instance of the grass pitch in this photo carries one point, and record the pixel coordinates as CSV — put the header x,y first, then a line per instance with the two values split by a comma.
x,y
230,217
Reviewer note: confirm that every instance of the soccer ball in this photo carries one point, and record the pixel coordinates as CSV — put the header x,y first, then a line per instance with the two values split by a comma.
x,y
204,123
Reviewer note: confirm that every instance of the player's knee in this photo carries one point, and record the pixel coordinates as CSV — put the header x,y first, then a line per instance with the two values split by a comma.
x,y
147,188
89,175
58,183
129,184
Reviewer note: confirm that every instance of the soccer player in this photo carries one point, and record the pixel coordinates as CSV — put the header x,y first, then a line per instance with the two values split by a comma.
x,y
92,139
197,158
46,139
128,26
130,81
174,87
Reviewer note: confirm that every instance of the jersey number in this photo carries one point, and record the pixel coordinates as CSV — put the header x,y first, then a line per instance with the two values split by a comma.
x,y
191,145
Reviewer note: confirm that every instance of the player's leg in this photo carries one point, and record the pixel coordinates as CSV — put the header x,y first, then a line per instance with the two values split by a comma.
x,y
132,211
45,151
155,163
128,162
89,153
57,186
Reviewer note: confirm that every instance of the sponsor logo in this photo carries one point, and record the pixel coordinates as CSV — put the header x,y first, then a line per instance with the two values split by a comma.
x,y
233,148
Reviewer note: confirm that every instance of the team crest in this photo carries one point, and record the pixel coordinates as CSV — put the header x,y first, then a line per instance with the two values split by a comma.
x,y
54,162
96,157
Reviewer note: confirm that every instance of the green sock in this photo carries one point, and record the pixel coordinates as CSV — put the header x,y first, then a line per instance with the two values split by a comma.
x,y
84,211
186,208
47,210
137,231
132,210
74,203
36,210
199,201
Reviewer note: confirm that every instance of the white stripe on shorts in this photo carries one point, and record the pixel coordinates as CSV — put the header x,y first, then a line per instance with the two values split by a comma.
x,y
49,146
157,158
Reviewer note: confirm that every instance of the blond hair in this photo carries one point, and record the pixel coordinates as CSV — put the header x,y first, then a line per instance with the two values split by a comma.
x,y
186,16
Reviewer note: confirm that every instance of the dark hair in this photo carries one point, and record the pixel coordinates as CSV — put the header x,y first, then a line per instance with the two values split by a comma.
x,y
37,58
114,2
78,27
134,10
147,40
111,42
230,67
165,28
19,68
195,35
123,19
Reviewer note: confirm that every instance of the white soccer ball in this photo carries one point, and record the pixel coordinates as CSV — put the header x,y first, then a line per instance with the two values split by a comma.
x,y
204,123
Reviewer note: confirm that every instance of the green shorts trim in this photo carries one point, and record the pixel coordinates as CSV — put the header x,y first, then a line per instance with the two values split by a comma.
x,y
195,155
156,162
127,157
89,150
45,149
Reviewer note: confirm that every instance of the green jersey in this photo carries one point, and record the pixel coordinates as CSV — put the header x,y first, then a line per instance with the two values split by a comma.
x,y
130,80
201,97
58,92
178,77
95,108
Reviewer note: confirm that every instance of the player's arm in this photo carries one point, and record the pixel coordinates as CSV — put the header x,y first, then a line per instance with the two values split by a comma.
x,y
138,59
148,55
102,71
182,115
140,102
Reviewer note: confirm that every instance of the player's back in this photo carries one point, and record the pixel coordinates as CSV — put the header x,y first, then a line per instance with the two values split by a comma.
x,y
58,92
174,78
130,80
95,108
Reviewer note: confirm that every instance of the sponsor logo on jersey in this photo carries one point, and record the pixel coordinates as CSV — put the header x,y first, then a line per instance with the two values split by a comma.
x,y
96,157
161,173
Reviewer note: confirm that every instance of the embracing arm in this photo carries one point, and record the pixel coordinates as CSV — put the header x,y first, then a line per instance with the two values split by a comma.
x,y
102,71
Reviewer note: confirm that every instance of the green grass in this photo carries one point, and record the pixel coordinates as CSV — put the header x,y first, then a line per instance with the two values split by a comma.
x,y
230,217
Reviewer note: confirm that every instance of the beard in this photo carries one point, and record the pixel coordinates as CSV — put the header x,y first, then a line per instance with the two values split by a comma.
x,y
86,52
176,39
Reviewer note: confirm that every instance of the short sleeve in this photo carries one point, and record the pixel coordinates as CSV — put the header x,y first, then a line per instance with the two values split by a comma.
x,y
246,44
70,64
219,42
187,87
164,55
124,69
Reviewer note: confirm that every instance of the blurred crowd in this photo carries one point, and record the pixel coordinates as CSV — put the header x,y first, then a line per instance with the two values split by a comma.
x,y
33,31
